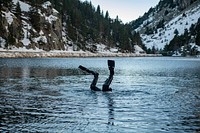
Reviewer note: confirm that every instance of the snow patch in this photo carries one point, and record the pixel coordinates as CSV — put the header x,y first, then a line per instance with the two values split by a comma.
x,y
15,1
114,50
41,32
2,42
26,27
165,35
138,49
101,47
26,41
9,16
46,4
24,6
51,18
42,39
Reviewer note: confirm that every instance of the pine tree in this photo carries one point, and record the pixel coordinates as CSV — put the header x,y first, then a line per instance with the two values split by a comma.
x,y
176,32
107,15
98,10
18,11
35,19
186,36
161,24
192,30
124,39
6,3
1,26
11,39
197,32
197,40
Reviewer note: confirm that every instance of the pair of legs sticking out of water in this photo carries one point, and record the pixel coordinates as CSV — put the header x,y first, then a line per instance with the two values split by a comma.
x,y
111,66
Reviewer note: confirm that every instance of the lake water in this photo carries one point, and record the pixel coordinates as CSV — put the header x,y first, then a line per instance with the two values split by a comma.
x,y
150,95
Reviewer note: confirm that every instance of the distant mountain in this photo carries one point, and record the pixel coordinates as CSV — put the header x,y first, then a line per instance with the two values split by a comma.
x,y
68,25
171,28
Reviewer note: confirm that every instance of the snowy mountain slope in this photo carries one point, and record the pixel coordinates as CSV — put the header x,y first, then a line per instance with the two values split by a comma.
x,y
68,25
31,27
58,26
164,35
173,26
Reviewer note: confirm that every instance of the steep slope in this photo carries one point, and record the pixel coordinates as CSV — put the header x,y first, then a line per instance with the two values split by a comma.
x,y
68,25
169,20
20,31
163,36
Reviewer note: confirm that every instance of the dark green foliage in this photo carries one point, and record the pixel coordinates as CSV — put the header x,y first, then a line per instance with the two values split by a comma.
x,y
197,40
192,1
166,3
35,18
18,11
176,32
181,42
149,31
178,41
11,38
161,24
197,30
36,3
6,3
166,12
1,27
85,23
192,30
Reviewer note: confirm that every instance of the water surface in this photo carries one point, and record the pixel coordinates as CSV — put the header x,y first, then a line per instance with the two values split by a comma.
x,y
150,95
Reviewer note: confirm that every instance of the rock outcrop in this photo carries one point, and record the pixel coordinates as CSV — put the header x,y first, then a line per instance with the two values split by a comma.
x,y
39,27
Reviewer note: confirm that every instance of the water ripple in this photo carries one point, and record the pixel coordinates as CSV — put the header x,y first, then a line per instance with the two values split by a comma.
x,y
52,95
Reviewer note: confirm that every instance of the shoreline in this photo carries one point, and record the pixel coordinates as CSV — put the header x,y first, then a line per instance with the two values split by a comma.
x,y
66,54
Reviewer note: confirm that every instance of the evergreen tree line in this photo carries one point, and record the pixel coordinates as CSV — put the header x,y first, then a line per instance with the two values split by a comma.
x,y
163,4
85,23
190,36
96,26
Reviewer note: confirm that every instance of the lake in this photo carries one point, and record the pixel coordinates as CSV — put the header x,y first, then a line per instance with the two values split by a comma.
x,y
150,95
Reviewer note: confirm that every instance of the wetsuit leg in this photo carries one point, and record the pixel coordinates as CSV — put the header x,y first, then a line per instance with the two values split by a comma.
x,y
94,82
111,66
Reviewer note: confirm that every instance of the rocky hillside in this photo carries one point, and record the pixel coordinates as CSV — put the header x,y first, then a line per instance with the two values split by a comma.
x,y
172,27
20,30
69,25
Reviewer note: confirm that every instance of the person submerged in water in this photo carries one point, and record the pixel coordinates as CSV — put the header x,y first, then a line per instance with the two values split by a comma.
x,y
111,66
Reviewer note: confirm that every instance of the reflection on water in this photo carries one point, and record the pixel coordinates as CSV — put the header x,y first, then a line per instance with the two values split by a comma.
x,y
51,95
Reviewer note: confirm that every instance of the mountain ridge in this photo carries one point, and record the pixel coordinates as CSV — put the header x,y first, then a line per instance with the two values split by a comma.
x,y
68,25
158,26
71,25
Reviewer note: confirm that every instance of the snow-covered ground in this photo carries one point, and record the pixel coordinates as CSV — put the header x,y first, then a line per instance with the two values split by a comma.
x,y
164,36
9,16
34,54
14,52
24,6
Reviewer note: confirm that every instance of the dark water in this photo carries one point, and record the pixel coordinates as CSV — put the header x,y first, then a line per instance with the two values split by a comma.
x,y
150,95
